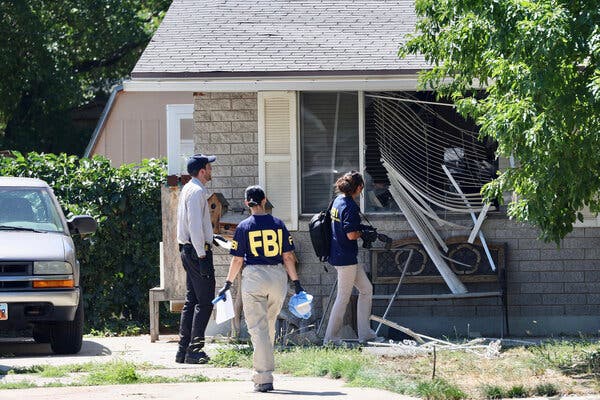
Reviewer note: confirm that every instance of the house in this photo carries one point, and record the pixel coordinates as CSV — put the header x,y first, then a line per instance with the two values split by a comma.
x,y
133,126
287,94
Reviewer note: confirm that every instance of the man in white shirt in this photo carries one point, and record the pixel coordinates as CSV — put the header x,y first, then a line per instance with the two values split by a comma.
x,y
195,235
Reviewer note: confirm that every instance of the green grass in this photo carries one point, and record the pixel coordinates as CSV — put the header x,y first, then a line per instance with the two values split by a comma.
x,y
546,389
439,389
493,392
517,391
113,373
512,375
117,372
351,365
572,357
59,371
236,356
18,385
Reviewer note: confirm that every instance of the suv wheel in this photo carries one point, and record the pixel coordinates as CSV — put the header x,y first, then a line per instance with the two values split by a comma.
x,y
67,337
41,333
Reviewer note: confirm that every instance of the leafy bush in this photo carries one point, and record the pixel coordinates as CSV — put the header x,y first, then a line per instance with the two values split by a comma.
x,y
119,263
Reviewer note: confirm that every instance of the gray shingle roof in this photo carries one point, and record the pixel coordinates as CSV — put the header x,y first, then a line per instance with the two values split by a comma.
x,y
279,37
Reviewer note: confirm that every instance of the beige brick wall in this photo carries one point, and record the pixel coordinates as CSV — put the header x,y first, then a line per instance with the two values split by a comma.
x,y
225,124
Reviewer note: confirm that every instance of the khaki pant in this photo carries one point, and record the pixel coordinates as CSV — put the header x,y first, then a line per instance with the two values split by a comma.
x,y
264,288
349,276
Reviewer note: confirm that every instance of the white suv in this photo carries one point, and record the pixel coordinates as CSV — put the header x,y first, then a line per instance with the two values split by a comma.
x,y
39,274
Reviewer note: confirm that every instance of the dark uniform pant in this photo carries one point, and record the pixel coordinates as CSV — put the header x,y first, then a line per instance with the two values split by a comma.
x,y
200,290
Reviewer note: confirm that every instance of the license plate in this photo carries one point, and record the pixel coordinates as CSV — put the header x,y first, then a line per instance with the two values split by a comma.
x,y
3,311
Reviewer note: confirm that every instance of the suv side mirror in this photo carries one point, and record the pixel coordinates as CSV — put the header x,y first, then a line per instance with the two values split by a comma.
x,y
82,224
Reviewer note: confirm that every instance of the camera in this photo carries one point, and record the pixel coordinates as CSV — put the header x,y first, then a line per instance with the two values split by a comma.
x,y
369,235
368,238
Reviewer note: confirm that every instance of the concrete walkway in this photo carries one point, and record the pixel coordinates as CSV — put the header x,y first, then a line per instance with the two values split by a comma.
x,y
237,382
286,388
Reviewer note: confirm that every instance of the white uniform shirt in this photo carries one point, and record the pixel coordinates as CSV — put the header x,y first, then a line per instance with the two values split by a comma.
x,y
193,216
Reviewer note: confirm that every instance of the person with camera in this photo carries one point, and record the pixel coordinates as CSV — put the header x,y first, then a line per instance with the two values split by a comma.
x,y
346,229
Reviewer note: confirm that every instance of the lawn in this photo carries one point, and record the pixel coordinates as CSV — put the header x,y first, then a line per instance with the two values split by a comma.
x,y
555,367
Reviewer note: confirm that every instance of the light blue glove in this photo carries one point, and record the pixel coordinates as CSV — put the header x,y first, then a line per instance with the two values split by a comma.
x,y
300,305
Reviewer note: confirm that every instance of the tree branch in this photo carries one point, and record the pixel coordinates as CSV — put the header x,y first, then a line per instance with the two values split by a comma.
x,y
111,59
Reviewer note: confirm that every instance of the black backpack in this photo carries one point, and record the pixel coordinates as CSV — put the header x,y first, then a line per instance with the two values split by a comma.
x,y
319,228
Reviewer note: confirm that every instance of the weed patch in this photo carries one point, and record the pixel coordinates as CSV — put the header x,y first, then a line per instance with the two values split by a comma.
x,y
492,392
517,391
546,389
439,389
237,356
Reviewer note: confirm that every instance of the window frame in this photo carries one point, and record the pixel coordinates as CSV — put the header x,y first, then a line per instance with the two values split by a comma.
x,y
361,152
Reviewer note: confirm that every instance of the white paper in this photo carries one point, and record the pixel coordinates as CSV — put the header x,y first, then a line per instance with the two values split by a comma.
x,y
225,309
224,244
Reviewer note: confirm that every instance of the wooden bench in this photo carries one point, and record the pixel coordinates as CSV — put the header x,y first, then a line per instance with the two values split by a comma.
x,y
407,263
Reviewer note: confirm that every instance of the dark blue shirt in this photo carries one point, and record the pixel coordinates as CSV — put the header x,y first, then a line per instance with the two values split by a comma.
x,y
261,239
345,218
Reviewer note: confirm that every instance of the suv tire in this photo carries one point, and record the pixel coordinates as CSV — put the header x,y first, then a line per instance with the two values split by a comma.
x,y
67,337
41,333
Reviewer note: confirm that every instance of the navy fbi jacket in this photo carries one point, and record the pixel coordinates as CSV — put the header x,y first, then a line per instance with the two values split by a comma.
x,y
345,218
261,239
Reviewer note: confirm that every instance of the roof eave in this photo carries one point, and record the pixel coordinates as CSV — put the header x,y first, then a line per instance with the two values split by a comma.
x,y
405,79
103,117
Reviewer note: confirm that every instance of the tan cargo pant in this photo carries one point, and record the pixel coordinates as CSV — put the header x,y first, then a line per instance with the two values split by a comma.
x,y
350,276
264,288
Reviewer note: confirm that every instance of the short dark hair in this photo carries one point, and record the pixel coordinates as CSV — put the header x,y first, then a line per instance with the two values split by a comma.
x,y
197,162
254,195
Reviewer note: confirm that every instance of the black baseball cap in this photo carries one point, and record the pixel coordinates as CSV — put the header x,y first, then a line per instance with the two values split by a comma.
x,y
197,162
254,195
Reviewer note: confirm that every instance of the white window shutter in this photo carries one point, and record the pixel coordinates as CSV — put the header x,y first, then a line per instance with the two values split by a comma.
x,y
277,153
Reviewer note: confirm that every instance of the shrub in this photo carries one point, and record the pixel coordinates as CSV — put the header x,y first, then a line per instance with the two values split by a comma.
x,y
119,263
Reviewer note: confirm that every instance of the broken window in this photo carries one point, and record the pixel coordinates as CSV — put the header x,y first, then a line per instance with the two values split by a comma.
x,y
414,131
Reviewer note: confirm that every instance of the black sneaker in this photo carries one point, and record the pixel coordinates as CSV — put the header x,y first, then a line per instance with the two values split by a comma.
x,y
263,387
196,357
180,357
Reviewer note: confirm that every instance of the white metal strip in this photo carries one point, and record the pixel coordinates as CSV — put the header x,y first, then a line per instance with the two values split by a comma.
x,y
401,197
480,234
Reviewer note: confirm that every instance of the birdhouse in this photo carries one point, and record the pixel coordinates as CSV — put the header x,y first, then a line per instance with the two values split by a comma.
x,y
268,207
218,206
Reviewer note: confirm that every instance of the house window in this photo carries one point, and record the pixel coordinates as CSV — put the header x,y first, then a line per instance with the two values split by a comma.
x,y
329,142
349,130
329,137
180,143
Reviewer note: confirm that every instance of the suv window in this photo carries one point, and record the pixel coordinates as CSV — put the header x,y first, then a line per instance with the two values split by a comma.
x,y
29,208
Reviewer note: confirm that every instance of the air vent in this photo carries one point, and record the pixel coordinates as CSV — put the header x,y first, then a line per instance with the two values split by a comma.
x,y
15,268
